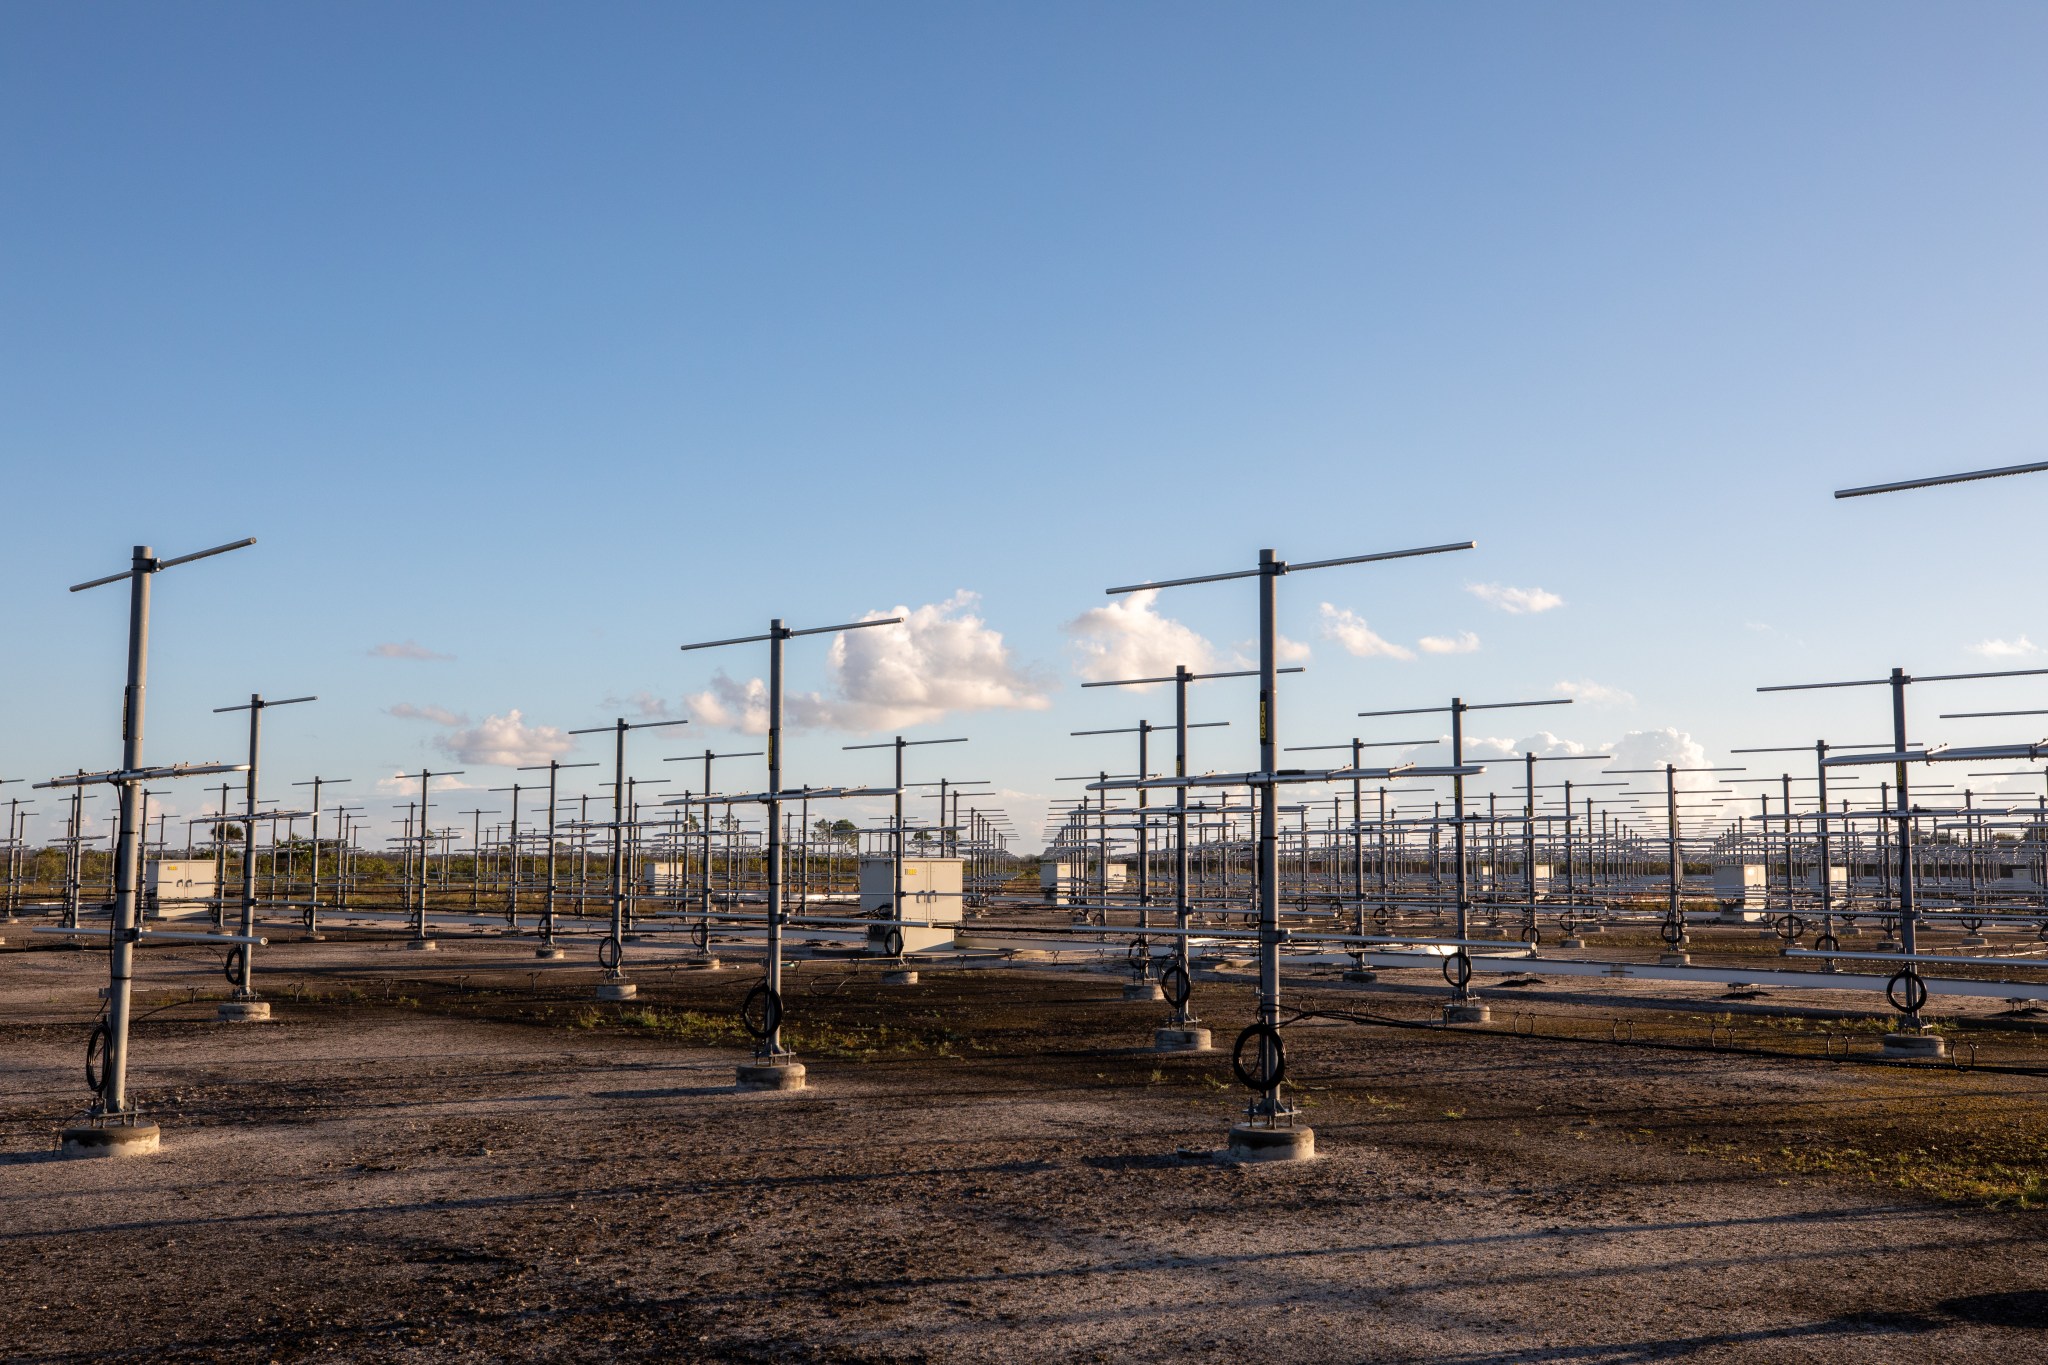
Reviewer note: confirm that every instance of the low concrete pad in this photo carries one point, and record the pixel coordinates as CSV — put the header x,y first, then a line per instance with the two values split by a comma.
x,y
616,990
1250,1142
702,964
121,1139
1914,1045
1361,976
771,1076
1470,1012
1675,960
243,1012
549,954
905,978
1181,1040
1143,990
422,945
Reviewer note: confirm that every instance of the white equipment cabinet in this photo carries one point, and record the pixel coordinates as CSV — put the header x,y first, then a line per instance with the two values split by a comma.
x,y
933,890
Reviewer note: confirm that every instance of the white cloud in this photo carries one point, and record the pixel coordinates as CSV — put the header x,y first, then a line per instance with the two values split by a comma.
x,y
407,649
643,704
1487,748
1349,629
439,715
1128,639
1654,749
1594,694
404,785
1462,643
2005,649
943,659
506,741
1519,601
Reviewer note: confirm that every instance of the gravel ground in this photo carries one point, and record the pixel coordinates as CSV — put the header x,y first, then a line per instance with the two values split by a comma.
x,y
461,1160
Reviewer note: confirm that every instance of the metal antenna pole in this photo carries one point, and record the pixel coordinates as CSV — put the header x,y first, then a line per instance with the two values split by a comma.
x,y
127,857
785,1073
1269,1104
124,929
771,1043
611,953
1907,918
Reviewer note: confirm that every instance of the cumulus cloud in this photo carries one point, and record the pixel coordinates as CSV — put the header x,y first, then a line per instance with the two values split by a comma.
x,y
1128,639
505,741
439,715
1594,694
2005,649
1655,748
1519,601
943,659
1349,629
1462,643
407,649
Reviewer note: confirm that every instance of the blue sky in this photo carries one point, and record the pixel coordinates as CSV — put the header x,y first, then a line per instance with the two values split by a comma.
x,y
548,337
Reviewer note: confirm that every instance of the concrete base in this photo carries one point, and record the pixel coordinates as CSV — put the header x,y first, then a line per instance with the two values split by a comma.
x,y
1974,940
549,954
243,1012
616,990
702,964
312,938
1469,1012
1143,990
1888,945
422,945
1915,1045
128,1139
1251,1143
1361,976
1572,943
1674,960
771,1076
899,978
1181,1040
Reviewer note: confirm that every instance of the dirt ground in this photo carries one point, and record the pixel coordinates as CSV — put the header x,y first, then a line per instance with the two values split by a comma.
x,y
466,1159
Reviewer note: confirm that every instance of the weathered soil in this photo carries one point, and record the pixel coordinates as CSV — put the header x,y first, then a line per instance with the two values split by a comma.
x,y
463,1159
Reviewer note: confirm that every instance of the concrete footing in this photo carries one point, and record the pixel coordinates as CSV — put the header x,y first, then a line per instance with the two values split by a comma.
x,y
549,953
312,938
1181,1040
243,1012
1251,1142
771,1076
1361,976
1914,1045
121,1139
1571,943
1143,990
616,990
421,945
904,978
703,964
1467,1012
1974,940
1674,960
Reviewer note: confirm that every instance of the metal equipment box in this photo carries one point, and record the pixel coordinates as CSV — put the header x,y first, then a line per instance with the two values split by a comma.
x,y
1741,888
179,888
933,889
1065,883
